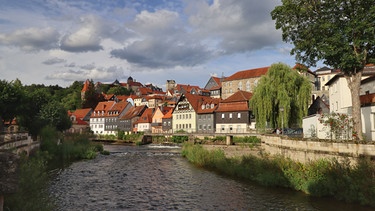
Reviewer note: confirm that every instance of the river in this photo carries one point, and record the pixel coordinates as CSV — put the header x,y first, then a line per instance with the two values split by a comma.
x,y
159,178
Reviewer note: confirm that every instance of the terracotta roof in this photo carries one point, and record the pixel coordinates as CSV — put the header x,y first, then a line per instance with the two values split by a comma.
x,y
195,100
252,73
103,107
86,86
169,114
187,88
235,106
145,90
239,96
208,105
146,117
117,108
134,111
80,113
239,101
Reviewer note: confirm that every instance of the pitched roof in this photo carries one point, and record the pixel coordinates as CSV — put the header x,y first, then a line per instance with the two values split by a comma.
x,y
239,101
234,106
80,113
117,108
239,96
86,86
169,114
103,107
195,100
208,105
146,117
134,111
252,73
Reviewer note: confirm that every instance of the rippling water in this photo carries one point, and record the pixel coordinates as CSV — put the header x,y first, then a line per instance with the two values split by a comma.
x,y
158,178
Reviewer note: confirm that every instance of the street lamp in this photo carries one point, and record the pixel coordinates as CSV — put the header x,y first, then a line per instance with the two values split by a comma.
x,y
282,119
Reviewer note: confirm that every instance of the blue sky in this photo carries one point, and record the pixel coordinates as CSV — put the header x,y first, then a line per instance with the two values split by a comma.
x,y
61,41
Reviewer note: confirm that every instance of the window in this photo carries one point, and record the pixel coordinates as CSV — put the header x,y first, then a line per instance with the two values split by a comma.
x,y
222,116
230,116
239,115
248,86
240,85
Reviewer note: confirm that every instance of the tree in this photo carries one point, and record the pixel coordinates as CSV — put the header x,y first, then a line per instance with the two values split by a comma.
x,y
11,96
281,87
92,97
118,90
55,115
340,33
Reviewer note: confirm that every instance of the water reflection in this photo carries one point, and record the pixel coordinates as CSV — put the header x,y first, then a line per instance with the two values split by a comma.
x,y
158,178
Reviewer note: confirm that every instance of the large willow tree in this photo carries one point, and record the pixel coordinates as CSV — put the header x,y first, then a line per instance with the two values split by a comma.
x,y
281,87
341,33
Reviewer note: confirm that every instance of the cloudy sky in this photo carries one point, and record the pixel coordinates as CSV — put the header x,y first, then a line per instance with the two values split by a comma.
x,y
61,41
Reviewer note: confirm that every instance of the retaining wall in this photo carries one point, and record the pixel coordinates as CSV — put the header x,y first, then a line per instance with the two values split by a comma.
x,y
308,150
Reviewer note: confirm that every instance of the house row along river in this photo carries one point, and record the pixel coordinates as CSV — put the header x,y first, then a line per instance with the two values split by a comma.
x,y
159,178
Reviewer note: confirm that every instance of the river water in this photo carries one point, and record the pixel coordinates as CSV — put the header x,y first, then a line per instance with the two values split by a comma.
x,y
159,178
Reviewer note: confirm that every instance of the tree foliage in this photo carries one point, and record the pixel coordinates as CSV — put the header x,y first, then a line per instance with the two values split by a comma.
x,y
340,33
281,87
92,97
11,96
54,114
118,90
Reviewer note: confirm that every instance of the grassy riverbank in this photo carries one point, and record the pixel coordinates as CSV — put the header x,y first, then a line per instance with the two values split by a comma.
x,y
56,152
320,178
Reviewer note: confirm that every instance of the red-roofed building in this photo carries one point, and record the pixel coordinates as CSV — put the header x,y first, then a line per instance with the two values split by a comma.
x,y
144,122
245,80
85,88
233,114
127,122
206,115
97,118
157,118
185,112
113,116
80,120
167,122
195,90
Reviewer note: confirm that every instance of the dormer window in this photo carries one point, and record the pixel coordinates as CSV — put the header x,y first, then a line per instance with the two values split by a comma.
x,y
207,106
203,106
212,105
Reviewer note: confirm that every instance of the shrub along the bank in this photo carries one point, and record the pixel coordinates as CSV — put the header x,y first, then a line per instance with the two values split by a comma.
x,y
341,180
56,151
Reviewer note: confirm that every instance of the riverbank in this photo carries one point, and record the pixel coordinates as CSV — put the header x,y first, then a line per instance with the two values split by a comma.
x,y
322,178
232,151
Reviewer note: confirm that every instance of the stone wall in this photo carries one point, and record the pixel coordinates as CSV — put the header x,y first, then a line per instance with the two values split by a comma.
x,y
308,150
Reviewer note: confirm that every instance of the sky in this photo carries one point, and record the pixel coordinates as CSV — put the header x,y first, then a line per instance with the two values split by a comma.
x,y
57,42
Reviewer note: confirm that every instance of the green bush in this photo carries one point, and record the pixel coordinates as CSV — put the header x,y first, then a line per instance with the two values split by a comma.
x,y
32,193
324,178
179,139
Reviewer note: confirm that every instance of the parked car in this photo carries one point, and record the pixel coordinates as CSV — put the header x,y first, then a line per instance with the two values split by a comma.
x,y
294,132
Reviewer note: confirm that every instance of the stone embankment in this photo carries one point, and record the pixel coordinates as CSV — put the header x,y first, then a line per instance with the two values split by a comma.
x,y
235,150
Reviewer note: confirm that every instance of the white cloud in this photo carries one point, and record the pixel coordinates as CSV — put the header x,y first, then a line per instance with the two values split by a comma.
x,y
31,39
95,73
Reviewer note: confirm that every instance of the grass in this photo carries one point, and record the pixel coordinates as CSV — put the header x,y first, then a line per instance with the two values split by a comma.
x,y
323,178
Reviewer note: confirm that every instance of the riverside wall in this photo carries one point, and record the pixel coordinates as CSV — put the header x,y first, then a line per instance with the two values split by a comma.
x,y
305,150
